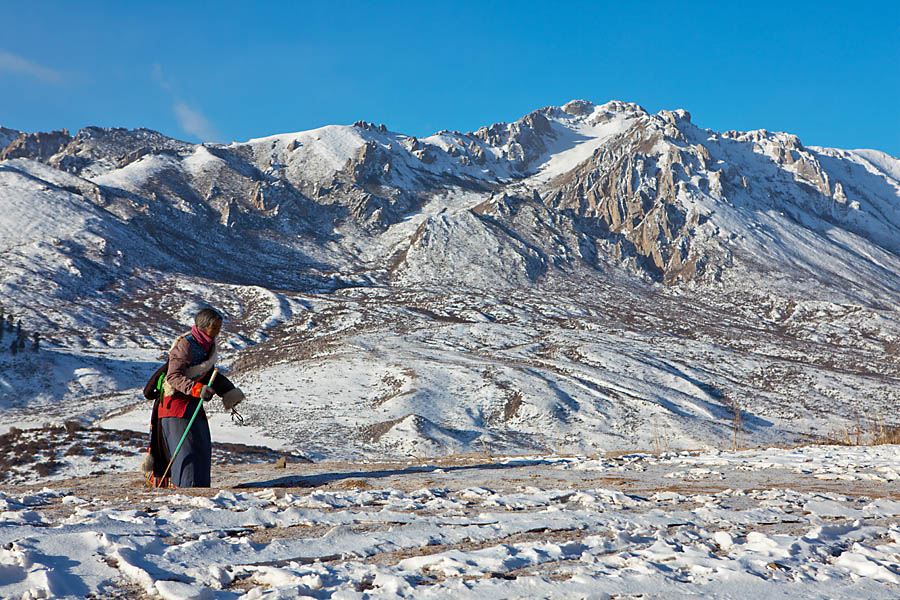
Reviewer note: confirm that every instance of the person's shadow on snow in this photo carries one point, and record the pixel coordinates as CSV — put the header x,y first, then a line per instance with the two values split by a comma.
x,y
320,479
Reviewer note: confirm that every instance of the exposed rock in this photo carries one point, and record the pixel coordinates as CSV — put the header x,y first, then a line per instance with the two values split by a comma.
x,y
578,108
36,146
370,165
476,153
113,148
138,154
630,202
7,136
427,154
633,194
495,135
411,144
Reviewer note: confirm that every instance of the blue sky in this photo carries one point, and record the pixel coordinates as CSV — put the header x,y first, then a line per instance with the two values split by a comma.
x,y
222,71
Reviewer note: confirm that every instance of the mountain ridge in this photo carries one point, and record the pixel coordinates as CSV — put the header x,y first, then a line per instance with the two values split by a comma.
x,y
576,269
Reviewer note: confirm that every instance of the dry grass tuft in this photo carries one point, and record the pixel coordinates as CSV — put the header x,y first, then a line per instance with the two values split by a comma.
x,y
867,432
891,435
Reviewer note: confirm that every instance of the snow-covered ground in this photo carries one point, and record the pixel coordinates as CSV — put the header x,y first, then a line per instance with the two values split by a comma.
x,y
370,373
586,281
813,522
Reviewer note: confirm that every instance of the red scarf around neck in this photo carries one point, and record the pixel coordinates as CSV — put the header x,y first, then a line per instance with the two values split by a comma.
x,y
204,340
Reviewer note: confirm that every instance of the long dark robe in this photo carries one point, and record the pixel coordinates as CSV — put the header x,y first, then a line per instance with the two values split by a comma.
x,y
157,448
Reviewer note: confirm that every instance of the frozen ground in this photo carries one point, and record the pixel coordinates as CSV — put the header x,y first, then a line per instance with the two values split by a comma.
x,y
812,522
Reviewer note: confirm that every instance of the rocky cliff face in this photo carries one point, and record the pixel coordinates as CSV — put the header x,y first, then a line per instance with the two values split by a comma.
x,y
671,195
522,143
37,146
630,187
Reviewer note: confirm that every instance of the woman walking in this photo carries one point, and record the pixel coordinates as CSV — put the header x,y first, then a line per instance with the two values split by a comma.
x,y
192,359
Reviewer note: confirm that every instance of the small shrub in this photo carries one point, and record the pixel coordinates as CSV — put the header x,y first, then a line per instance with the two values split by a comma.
x,y
46,468
32,447
108,435
76,450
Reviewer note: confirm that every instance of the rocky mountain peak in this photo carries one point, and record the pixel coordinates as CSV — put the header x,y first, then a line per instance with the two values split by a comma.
x,y
664,192
578,108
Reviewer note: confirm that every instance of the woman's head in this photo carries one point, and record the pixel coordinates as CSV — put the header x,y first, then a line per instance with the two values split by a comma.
x,y
208,321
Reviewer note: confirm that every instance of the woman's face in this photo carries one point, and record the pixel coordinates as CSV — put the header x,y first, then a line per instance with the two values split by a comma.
x,y
212,330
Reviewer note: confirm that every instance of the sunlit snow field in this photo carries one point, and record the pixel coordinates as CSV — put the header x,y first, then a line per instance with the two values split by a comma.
x,y
474,527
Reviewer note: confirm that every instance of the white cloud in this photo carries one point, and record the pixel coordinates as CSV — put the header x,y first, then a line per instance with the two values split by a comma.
x,y
160,77
12,63
192,121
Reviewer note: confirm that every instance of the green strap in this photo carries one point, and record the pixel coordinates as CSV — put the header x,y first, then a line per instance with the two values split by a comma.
x,y
188,428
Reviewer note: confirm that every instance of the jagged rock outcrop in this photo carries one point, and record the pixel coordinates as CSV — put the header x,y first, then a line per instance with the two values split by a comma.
x,y
370,166
630,187
100,147
36,146
7,136
522,142
111,148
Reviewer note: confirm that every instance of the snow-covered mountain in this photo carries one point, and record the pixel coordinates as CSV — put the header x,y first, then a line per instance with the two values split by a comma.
x,y
588,276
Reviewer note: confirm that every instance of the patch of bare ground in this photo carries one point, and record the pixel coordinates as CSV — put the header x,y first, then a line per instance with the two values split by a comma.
x,y
393,557
398,259
267,354
393,389
353,484
242,585
787,481
121,590
445,318
42,452
264,536
372,433
892,348
451,474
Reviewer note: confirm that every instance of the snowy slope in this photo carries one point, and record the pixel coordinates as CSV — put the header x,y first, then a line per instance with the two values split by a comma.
x,y
590,276
50,229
